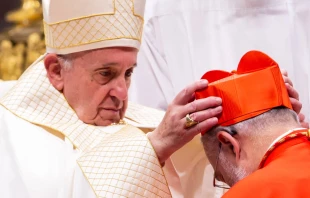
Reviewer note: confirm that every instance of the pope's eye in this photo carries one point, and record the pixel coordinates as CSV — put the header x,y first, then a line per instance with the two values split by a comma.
x,y
104,76
129,73
105,73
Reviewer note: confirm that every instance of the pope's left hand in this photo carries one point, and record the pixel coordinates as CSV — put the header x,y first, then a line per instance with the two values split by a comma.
x,y
294,98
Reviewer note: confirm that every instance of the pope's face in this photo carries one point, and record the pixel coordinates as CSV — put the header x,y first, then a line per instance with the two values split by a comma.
x,y
96,86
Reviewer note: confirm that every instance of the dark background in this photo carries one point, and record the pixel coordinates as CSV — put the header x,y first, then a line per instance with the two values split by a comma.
x,y
5,6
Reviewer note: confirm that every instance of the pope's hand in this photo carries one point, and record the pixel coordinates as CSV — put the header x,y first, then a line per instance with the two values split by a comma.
x,y
294,98
172,133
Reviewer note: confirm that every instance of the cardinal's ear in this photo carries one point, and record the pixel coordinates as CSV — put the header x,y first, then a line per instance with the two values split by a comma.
x,y
228,140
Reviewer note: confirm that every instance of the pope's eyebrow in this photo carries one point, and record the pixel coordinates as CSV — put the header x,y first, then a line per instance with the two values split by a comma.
x,y
112,64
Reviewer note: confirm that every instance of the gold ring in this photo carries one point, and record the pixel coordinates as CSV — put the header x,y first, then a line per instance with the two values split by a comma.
x,y
189,121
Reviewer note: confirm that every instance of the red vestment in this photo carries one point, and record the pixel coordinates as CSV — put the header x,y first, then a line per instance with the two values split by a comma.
x,y
284,174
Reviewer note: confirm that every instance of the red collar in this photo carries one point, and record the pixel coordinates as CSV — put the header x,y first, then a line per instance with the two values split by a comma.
x,y
293,138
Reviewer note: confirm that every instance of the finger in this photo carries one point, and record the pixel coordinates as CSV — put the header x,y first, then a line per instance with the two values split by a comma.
x,y
292,93
284,72
302,121
287,80
201,104
192,98
201,116
187,93
202,127
305,125
301,117
296,105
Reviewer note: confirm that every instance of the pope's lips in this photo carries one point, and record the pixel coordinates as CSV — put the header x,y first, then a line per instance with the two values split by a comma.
x,y
116,110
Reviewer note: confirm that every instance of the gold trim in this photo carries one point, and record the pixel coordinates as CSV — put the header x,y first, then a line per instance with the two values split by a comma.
x,y
57,33
133,11
292,135
55,133
95,41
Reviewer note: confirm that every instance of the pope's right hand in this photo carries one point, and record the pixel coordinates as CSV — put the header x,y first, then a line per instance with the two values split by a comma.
x,y
172,133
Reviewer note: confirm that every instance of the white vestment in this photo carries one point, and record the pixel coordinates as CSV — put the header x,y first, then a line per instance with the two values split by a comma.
x,y
183,39
35,163
46,151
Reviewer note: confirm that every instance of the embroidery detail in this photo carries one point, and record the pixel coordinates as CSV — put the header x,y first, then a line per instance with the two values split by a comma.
x,y
294,134
123,23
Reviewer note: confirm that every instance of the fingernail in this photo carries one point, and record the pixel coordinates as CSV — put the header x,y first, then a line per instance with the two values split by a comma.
x,y
219,109
204,82
214,120
219,100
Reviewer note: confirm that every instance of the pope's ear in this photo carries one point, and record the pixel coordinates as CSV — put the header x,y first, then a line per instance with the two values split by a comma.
x,y
54,71
228,140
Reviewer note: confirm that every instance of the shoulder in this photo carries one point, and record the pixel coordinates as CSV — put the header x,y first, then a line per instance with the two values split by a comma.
x,y
33,156
23,137
21,129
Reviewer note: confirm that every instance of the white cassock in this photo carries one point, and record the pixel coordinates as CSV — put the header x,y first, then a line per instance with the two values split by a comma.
x,y
184,39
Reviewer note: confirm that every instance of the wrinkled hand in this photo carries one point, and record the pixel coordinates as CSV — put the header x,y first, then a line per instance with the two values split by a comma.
x,y
171,134
294,98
